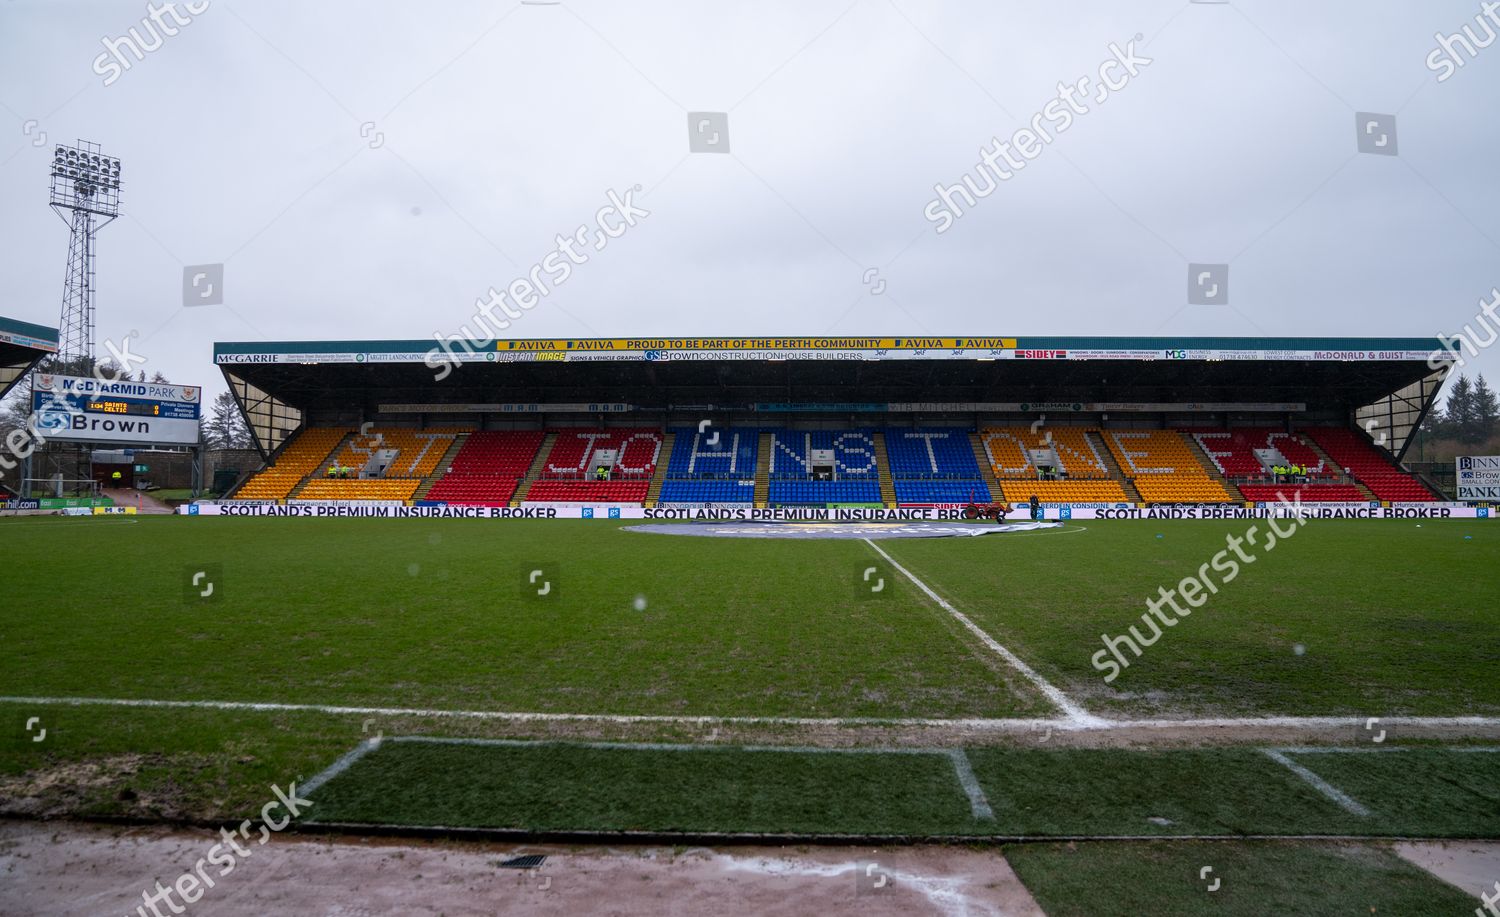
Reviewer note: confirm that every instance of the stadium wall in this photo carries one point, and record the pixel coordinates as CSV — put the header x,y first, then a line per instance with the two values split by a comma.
x,y
307,510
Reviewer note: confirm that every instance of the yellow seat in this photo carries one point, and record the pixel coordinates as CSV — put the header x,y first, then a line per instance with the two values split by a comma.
x,y
1007,451
304,455
1163,467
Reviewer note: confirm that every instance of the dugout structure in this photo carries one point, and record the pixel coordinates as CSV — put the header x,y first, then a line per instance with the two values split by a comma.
x,y
1382,387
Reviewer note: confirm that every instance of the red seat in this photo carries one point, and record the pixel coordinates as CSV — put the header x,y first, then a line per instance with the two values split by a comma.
x,y
589,491
488,467
1370,466
1308,493
568,467
1233,450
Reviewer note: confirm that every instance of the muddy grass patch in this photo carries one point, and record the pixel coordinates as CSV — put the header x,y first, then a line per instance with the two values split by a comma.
x,y
142,785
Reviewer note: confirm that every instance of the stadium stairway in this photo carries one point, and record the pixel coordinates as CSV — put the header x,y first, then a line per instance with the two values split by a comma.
x,y
1212,470
443,465
986,468
318,470
883,469
290,465
535,471
763,472
415,454
1107,456
653,493
1429,482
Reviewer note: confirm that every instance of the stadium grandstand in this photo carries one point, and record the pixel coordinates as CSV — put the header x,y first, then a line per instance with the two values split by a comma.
x,y
835,422
22,346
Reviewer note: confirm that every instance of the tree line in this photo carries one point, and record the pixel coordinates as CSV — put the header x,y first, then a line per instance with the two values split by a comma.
x,y
1470,415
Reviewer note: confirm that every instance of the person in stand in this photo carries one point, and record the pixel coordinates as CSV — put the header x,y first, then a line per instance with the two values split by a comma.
x,y
601,473
116,478
333,471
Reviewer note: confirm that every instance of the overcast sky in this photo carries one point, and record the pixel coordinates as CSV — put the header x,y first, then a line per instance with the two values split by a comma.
x,y
367,170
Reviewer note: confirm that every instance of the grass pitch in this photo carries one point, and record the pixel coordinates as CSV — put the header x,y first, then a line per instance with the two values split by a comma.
x,y
1393,619
706,789
1248,880
1390,617
442,614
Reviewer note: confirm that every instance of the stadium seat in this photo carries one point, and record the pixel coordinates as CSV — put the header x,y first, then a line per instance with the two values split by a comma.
x,y
1233,450
545,491
700,491
568,466
306,452
488,467
1064,491
716,465
854,466
417,453
1308,493
1163,468
853,451
930,451
803,493
934,465
1009,451
371,489
1369,465
941,492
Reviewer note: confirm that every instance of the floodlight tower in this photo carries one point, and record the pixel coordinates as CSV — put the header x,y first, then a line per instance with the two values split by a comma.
x,y
86,195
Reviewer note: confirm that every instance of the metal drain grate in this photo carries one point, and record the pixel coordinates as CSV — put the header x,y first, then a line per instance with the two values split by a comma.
x,y
529,861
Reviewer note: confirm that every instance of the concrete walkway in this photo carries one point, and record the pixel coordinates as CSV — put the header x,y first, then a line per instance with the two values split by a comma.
x,y
70,870
128,497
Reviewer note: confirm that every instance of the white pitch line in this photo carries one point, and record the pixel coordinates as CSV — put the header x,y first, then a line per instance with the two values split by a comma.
x,y
979,806
1317,783
1342,750
1018,725
1301,722
1074,713
668,746
341,765
1032,724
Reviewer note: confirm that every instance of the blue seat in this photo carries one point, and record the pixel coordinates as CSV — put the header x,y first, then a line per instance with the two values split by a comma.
x,y
716,465
931,451
707,491
803,492
945,491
